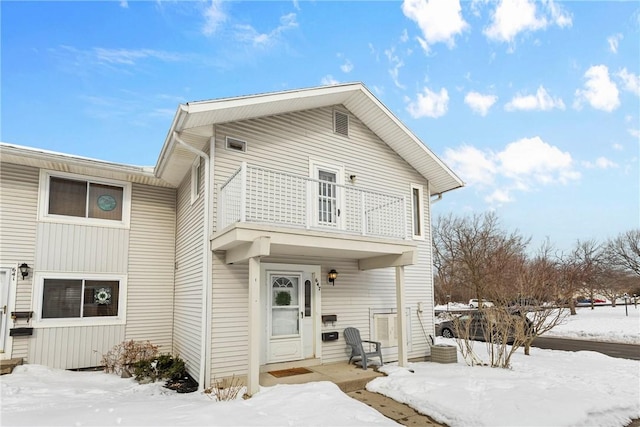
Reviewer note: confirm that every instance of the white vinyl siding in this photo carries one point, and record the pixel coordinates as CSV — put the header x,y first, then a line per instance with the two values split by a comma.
x,y
18,220
151,266
75,347
72,247
303,136
189,265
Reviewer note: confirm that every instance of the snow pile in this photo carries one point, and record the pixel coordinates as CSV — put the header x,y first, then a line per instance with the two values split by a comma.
x,y
604,323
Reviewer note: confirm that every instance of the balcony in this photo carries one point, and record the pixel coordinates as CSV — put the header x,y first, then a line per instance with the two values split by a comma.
x,y
264,212
258,195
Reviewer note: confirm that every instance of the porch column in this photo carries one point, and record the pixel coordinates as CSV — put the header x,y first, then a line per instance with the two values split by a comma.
x,y
253,372
402,327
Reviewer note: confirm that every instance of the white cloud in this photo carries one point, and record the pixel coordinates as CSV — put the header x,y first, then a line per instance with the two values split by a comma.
x,y
522,165
630,81
474,166
533,159
614,41
346,67
512,17
600,163
499,196
618,147
213,18
131,56
124,4
396,65
480,103
600,92
439,20
541,101
429,104
328,80
249,34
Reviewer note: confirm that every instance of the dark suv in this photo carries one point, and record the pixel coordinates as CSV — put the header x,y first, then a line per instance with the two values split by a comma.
x,y
481,324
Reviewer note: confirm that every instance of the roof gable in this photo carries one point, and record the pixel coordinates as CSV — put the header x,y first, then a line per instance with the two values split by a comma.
x,y
175,159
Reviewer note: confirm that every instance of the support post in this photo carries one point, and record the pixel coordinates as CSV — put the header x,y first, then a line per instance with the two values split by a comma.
x,y
253,372
402,326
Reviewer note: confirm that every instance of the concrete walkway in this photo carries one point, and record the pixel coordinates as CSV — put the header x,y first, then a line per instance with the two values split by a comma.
x,y
399,412
352,380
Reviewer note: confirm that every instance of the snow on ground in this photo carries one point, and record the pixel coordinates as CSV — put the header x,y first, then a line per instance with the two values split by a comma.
x,y
34,395
603,323
548,388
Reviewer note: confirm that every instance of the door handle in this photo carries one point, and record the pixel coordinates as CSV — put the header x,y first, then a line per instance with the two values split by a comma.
x,y
4,309
302,314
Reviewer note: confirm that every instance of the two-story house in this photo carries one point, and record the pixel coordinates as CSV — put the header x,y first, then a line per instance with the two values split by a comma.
x,y
269,223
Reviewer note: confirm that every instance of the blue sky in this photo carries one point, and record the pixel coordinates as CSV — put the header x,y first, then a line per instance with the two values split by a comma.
x,y
535,105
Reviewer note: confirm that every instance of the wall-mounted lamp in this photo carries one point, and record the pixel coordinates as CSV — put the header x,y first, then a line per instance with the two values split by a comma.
x,y
24,270
332,277
352,178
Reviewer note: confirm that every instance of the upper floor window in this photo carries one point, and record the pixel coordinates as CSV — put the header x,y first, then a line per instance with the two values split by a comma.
x,y
86,200
417,211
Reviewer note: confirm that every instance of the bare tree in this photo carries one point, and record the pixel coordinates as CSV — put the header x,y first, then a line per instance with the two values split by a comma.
x,y
542,280
588,256
474,252
624,251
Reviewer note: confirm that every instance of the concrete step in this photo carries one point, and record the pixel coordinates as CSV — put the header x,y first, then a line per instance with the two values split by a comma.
x,y
7,365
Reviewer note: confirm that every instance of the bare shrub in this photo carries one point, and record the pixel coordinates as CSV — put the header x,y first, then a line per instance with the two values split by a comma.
x,y
121,358
226,389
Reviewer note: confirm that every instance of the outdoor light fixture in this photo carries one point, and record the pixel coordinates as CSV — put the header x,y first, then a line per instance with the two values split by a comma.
x,y
332,277
24,270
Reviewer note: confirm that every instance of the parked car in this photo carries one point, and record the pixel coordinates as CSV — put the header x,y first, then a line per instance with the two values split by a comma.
x,y
481,324
473,303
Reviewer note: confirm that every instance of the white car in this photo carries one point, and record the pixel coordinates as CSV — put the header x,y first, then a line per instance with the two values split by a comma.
x,y
473,303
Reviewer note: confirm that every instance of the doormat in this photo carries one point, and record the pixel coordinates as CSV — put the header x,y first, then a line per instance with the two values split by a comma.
x,y
290,372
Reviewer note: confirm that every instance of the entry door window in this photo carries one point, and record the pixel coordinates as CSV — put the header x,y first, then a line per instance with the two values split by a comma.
x,y
285,306
327,198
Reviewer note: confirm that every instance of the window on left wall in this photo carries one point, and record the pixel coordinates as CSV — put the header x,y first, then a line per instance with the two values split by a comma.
x,y
78,298
72,299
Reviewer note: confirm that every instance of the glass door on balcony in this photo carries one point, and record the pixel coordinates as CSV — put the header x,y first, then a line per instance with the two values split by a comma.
x,y
328,197
328,211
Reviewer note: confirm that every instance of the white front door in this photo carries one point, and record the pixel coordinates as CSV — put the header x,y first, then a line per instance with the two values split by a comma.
x,y
285,308
5,281
291,301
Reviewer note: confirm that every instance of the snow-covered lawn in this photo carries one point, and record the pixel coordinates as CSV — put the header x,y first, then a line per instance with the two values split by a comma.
x,y
548,388
603,323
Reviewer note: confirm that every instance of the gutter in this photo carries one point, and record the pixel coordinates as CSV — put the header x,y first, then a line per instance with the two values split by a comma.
x,y
205,349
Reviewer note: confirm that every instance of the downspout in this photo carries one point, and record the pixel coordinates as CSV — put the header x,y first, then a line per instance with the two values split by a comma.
x,y
208,260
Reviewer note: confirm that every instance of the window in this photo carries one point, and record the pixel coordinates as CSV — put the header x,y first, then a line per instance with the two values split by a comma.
x,y
195,180
80,199
72,299
417,211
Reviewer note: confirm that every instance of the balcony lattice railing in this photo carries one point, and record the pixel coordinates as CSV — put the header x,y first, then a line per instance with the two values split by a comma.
x,y
255,194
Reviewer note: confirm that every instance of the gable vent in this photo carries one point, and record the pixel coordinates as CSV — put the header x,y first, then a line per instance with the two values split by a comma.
x,y
341,123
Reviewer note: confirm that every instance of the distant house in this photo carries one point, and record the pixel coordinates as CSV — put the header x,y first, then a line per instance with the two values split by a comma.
x,y
221,253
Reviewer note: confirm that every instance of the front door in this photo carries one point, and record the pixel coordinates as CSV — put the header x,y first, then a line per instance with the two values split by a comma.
x,y
5,280
286,313
290,305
